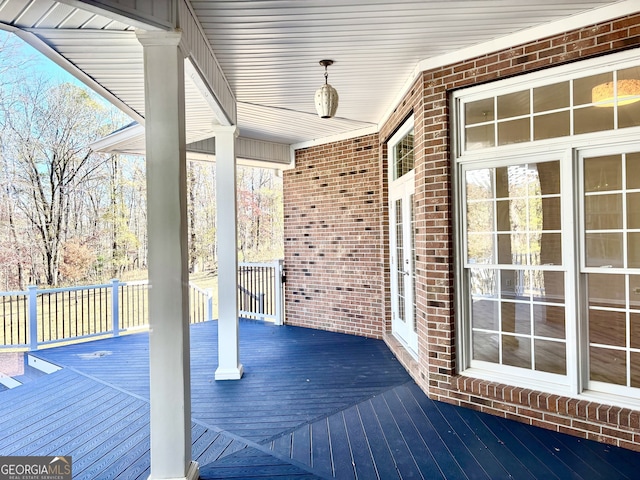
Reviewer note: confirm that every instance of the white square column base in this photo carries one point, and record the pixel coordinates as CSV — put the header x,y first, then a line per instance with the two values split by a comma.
x,y
229,373
193,473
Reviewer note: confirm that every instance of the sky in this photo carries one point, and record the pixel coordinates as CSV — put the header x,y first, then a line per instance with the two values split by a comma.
x,y
41,64
39,61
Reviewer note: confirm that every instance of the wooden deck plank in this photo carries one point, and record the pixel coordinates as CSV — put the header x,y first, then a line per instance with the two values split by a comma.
x,y
363,461
282,444
340,450
489,464
385,463
492,439
250,464
526,454
405,463
563,461
326,401
37,435
109,451
617,461
403,413
301,445
321,447
301,387
104,420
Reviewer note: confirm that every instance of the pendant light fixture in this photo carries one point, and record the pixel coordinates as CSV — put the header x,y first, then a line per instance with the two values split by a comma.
x,y
326,96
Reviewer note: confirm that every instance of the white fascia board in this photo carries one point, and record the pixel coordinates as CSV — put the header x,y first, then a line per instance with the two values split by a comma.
x,y
134,134
40,45
597,15
192,73
112,141
245,162
122,14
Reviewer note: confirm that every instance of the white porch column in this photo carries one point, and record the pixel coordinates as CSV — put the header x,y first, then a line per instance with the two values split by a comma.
x,y
167,257
229,366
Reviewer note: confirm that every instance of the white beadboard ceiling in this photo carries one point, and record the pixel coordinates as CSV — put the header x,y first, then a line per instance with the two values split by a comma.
x,y
269,52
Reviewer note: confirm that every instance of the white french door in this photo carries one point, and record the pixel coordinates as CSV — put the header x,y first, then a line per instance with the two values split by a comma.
x,y
402,251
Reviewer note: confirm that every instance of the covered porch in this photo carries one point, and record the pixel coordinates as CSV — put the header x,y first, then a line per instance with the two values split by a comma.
x,y
312,404
230,84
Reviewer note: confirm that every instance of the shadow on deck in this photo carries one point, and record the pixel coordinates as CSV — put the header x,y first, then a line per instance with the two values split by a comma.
x,y
312,404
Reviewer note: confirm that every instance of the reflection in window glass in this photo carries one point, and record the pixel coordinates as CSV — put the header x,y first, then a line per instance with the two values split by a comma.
x,y
604,250
549,321
484,314
592,119
634,295
551,357
485,347
514,131
516,317
633,242
605,290
633,170
608,365
480,137
633,210
515,211
583,87
603,212
551,97
629,115
588,104
607,327
603,173
403,156
513,105
516,351
551,125
635,369
478,112
551,287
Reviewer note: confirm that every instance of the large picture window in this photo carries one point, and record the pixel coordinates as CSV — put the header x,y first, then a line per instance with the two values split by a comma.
x,y
548,180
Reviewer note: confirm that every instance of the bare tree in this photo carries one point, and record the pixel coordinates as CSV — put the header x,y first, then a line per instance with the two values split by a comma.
x,y
47,132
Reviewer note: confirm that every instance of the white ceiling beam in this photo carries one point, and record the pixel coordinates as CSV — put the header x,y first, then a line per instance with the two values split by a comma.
x,y
207,72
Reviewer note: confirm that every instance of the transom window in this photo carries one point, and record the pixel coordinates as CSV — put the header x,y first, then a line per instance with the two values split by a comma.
x,y
593,103
548,179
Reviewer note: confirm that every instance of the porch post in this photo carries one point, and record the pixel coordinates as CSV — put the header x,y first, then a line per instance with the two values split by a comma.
x,y
229,366
170,392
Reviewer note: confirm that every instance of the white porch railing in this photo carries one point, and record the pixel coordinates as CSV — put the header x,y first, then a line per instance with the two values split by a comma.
x,y
34,318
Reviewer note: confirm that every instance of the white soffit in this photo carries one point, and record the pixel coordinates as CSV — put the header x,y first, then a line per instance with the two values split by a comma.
x,y
269,51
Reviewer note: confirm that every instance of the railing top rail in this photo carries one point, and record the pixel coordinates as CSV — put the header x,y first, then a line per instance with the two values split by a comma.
x,y
198,289
272,263
72,289
133,282
11,294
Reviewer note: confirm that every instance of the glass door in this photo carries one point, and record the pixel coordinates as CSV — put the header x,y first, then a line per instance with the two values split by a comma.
x,y
402,245
402,222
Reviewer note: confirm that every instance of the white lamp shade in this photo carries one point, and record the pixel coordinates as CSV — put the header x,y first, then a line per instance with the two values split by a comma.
x,y
326,101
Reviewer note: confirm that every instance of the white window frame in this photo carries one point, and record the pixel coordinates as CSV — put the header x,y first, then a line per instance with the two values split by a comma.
x,y
567,150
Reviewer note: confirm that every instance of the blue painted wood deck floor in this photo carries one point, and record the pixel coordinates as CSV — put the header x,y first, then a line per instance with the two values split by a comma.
x,y
311,404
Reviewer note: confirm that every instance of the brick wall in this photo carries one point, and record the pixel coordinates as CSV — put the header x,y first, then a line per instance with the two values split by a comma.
x,y
436,365
334,209
336,239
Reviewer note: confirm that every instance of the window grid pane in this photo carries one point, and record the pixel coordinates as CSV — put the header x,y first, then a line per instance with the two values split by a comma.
x,y
601,102
613,297
400,260
403,156
513,252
